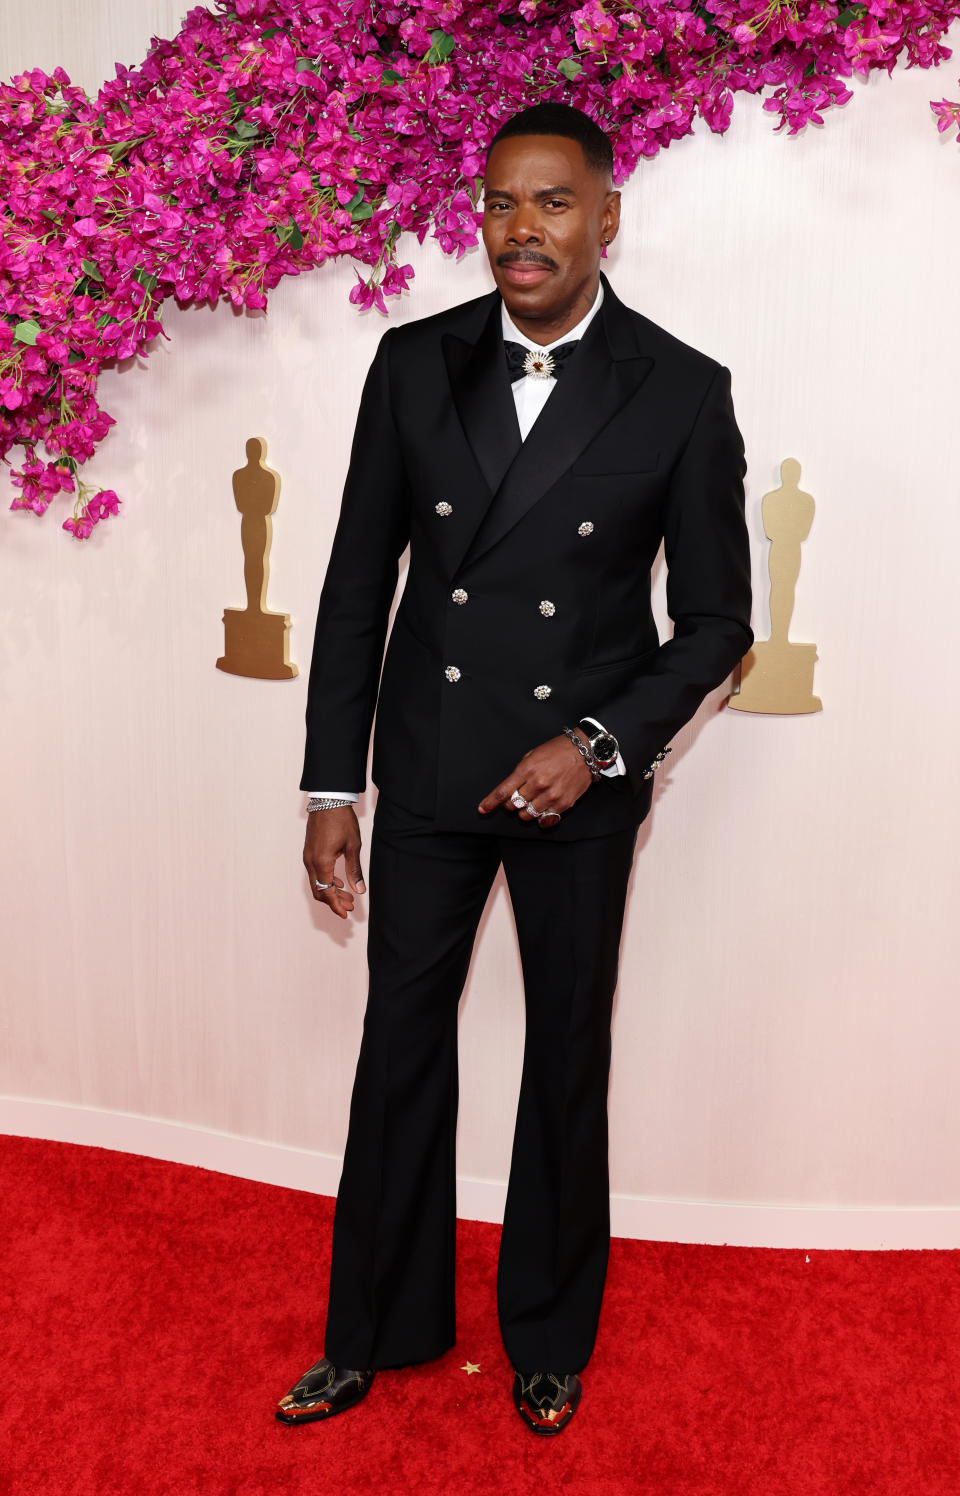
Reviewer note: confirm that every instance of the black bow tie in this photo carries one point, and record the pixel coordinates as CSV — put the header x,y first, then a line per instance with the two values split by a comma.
x,y
536,362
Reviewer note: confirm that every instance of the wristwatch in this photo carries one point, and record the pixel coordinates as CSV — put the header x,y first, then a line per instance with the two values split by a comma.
x,y
603,745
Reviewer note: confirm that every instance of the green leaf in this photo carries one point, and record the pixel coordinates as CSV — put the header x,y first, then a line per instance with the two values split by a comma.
x,y
851,13
570,67
145,279
443,45
295,237
102,321
307,65
49,213
365,210
617,70
26,332
390,75
92,269
246,128
273,31
355,201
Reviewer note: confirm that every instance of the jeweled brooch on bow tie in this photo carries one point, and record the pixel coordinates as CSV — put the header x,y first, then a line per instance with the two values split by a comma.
x,y
538,365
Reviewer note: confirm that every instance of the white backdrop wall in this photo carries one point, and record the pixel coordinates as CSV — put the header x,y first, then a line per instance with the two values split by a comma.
x,y
787,1032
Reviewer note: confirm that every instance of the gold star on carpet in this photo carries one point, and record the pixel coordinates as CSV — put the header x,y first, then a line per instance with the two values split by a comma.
x,y
470,1368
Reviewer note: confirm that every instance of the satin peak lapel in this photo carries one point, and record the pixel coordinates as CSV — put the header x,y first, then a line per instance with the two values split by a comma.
x,y
604,373
483,398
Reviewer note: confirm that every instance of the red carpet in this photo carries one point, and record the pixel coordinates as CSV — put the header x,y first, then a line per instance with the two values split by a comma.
x,y
154,1313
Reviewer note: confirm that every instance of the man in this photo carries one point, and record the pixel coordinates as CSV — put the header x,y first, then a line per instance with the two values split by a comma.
x,y
533,446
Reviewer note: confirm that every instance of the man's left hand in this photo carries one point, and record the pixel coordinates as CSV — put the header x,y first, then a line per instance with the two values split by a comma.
x,y
552,776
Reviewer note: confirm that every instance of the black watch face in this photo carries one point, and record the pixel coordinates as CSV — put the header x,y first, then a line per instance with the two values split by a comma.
x,y
605,748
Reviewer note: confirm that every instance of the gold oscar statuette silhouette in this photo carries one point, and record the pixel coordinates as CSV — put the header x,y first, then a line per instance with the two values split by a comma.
x,y
257,642
776,675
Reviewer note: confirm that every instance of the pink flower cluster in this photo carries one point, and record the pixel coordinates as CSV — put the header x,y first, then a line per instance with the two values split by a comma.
x,y
273,135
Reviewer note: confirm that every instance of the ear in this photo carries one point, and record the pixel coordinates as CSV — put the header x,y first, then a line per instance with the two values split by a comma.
x,y
610,220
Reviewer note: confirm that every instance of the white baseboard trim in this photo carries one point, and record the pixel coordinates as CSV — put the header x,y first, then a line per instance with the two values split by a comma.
x,y
715,1223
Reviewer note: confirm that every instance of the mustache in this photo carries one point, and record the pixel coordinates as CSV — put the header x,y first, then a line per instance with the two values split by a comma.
x,y
525,257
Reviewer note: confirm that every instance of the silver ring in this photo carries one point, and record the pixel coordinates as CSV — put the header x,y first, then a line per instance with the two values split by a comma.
x,y
533,810
551,813
318,884
517,799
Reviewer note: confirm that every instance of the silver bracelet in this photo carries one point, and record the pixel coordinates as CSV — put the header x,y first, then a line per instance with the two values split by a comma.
x,y
325,802
586,753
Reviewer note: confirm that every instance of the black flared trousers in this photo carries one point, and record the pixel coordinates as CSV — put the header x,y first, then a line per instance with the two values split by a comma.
x,y
392,1275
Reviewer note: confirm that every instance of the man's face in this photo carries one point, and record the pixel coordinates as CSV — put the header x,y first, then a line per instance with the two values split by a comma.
x,y
545,216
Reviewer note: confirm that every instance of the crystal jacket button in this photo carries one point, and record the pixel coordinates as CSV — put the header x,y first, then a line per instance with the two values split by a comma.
x,y
459,594
585,528
452,673
547,608
443,507
542,692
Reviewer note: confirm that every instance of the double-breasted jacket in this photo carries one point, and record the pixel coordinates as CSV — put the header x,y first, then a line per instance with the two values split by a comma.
x,y
526,603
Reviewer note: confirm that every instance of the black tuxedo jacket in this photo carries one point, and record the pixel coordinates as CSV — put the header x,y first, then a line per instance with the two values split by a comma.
x,y
638,442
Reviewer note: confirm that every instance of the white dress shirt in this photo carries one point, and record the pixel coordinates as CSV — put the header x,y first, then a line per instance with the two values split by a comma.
x,y
530,395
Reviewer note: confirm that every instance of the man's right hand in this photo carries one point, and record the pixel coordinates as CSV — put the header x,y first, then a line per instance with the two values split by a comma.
x,y
332,834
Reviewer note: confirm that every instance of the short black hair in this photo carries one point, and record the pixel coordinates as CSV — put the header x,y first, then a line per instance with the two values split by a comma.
x,y
562,119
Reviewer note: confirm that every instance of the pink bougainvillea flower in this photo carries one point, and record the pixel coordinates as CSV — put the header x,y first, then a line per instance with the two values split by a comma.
x,y
80,528
268,137
947,114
